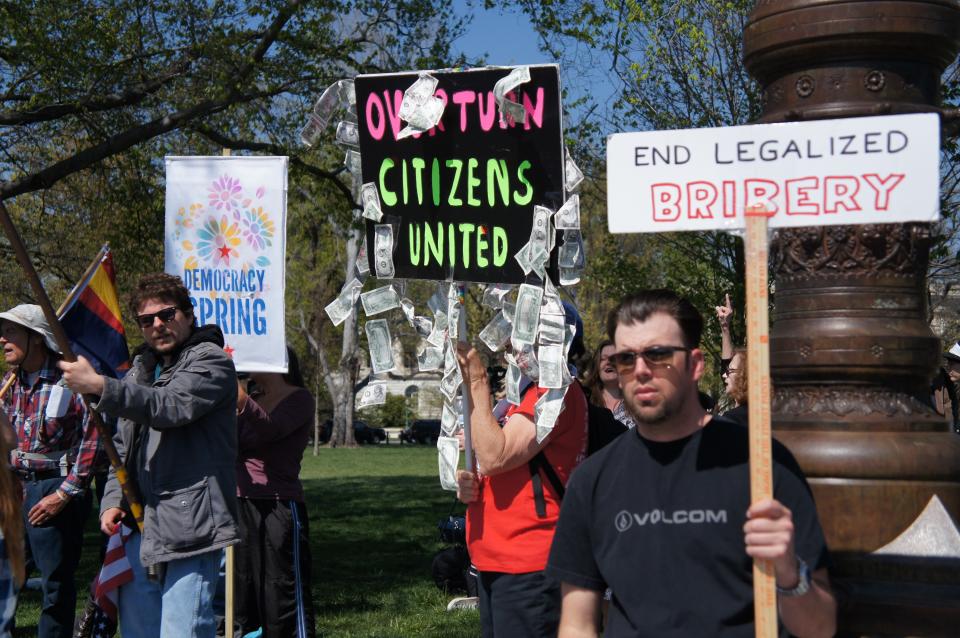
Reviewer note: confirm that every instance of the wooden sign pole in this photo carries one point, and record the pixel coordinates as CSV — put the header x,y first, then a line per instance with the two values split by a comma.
x,y
229,561
758,405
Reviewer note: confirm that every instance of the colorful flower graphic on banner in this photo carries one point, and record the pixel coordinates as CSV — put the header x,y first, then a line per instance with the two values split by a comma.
x,y
225,193
230,231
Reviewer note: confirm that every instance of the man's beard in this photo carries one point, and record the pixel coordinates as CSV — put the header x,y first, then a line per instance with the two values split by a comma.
x,y
654,415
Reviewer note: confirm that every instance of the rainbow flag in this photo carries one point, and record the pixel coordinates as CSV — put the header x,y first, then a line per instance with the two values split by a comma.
x,y
92,320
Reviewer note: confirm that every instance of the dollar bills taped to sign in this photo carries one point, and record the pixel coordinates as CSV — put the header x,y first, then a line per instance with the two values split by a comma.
x,y
460,195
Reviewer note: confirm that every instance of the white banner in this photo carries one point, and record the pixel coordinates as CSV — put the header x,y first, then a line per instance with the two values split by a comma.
x,y
869,170
226,238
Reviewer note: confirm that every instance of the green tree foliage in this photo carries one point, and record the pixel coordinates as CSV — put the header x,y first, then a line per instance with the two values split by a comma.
x,y
674,64
94,94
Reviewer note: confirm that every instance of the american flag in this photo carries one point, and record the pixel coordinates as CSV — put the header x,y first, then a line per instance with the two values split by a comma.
x,y
99,619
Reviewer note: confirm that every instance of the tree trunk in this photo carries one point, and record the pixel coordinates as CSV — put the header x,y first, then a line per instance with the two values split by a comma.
x,y
342,381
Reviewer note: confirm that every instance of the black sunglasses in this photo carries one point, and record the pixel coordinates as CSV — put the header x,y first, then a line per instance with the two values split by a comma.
x,y
655,357
166,316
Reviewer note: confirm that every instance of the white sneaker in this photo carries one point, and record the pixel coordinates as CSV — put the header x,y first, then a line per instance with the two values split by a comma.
x,y
467,602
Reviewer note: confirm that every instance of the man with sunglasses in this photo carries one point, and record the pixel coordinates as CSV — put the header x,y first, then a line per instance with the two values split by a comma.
x,y
663,516
177,434
56,453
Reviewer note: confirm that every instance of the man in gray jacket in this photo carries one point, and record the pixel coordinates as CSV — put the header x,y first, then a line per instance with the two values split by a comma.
x,y
177,435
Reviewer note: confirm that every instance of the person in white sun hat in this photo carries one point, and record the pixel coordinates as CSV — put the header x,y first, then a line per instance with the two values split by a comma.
x,y
56,453
946,387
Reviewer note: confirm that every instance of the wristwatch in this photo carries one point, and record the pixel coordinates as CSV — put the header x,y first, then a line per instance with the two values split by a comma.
x,y
803,584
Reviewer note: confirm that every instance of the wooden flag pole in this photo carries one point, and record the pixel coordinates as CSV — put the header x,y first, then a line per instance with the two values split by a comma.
x,y
106,440
66,302
758,405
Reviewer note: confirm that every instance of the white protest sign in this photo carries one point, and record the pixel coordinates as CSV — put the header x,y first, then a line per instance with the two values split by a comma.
x,y
848,171
226,238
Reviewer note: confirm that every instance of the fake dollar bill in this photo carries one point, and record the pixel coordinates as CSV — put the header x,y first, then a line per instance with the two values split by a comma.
x,y
510,110
372,394
572,175
381,346
540,231
496,334
325,107
448,420
348,94
429,359
423,119
450,383
552,365
452,378
347,134
379,300
546,411
527,314
408,311
341,307
526,359
571,251
494,295
417,95
383,251
423,326
453,313
551,328
370,199
568,215
512,381
448,453
363,265
420,108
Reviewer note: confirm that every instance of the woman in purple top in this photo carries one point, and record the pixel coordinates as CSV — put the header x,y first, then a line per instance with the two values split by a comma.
x,y
273,558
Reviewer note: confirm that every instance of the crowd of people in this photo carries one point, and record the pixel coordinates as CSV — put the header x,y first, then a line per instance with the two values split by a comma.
x,y
213,459
632,517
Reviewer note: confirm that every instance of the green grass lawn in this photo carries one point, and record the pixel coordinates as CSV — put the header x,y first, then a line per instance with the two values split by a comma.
x,y
373,515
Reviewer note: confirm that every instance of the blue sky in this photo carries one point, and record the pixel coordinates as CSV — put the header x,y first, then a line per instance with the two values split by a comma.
x,y
505,37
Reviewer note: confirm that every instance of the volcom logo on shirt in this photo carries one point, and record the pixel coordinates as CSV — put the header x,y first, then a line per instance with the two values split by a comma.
x,y
624,520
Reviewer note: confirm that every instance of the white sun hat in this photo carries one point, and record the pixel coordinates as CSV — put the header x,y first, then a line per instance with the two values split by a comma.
x,y
30,316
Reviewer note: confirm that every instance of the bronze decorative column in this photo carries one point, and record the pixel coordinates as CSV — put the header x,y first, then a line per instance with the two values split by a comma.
x,y
852,354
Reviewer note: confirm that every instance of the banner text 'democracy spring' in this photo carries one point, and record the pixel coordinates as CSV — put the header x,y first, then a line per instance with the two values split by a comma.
x,y
870,170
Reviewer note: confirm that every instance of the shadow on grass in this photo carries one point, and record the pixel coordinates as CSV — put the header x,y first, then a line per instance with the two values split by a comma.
x,y
371,536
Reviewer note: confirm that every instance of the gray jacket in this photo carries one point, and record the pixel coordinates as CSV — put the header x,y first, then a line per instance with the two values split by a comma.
x,y
183,461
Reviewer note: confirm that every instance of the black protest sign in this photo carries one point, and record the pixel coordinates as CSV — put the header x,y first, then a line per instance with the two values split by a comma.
x,y
461,196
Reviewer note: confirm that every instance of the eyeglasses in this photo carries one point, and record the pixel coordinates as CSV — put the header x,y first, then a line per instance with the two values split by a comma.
x,y
166,316
730,371
655,357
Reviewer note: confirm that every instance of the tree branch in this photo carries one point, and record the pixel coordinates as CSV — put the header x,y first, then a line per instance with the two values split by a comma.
x,y
274,149
47,177
130,97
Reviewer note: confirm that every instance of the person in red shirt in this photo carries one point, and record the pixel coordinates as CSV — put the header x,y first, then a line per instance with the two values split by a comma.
x,y
513,505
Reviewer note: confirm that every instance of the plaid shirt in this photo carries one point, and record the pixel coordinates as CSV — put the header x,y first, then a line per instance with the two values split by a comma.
x,y
26,407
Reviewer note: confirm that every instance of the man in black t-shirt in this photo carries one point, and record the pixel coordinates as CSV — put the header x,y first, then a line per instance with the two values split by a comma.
x,y
663,517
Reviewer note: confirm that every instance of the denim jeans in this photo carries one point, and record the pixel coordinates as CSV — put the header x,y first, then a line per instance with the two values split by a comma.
x,y
56,552
179,605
